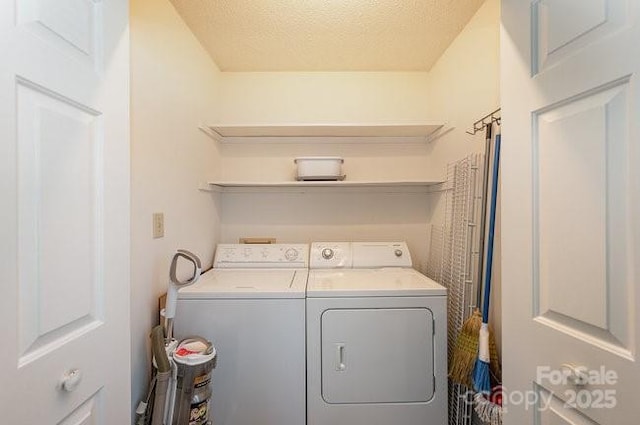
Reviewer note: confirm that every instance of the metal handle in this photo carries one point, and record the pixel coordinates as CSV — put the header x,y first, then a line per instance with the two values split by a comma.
x,y
576,375
71,380
340,364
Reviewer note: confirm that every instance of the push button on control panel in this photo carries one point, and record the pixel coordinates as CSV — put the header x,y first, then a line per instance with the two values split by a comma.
x,y
291,254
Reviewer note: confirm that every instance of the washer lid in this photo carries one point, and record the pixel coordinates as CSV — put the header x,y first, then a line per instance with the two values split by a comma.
x,y
383,282
245,283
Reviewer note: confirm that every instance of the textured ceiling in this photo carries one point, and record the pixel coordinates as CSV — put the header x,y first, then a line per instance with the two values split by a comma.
x,y
326,35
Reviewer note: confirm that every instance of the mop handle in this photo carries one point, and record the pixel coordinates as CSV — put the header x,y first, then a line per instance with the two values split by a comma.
x,y
483,216
492,227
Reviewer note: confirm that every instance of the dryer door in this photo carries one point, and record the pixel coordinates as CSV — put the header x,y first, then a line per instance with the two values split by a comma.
x,y
377,355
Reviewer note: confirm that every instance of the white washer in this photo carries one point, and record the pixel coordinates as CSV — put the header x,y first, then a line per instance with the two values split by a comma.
x,y
376,338
251,306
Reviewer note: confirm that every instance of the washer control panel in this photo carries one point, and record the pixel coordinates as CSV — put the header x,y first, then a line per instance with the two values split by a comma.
x,y
259,255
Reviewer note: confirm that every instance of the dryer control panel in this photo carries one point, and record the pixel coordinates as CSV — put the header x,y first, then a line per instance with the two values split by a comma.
x,y
330,255
335,255
380,254
261,256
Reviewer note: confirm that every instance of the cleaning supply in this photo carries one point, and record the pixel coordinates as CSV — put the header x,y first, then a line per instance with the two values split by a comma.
x,y
180,391
481,373
194,358
483,225
489,412
157,395
162,376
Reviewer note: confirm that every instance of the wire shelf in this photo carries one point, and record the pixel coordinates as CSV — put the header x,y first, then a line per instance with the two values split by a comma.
x,y
454,261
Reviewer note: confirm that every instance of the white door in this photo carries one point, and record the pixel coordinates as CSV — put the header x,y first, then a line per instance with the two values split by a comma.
x,y
571,211
64,220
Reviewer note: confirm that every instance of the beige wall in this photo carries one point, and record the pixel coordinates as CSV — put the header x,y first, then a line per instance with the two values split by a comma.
x,y
461,87
330,215
324,98
464,84
174,87
400,160
317,98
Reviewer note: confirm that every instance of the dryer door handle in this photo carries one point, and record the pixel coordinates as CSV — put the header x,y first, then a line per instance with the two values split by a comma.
x,y
340,364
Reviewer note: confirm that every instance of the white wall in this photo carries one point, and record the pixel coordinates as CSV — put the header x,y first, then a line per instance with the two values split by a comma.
x,y
174,88
464,85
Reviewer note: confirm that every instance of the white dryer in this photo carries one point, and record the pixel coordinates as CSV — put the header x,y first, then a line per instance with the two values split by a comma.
x,y
251,305
376,338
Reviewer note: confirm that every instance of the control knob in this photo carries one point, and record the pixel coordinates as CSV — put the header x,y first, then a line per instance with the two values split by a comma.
x,y
327,253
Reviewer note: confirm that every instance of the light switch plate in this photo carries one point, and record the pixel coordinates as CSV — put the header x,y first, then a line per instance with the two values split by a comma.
x,y
158,225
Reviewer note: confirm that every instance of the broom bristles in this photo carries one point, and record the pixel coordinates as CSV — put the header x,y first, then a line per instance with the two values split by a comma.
x,y
472,325
465,351
494,366
461,367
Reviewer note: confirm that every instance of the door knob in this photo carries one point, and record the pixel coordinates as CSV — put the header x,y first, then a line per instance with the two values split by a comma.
x,y
576,375
71,380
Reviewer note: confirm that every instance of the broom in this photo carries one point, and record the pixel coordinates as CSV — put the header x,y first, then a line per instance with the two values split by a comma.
x,y
465,353
481,372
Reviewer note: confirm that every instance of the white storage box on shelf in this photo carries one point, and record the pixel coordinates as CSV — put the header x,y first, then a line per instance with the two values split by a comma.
x,y
319,168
